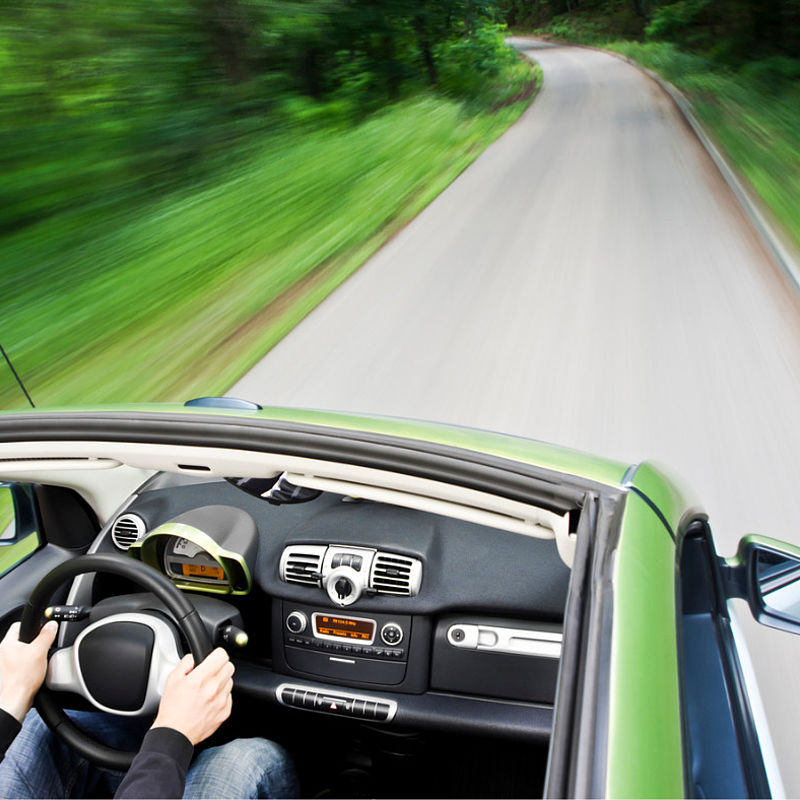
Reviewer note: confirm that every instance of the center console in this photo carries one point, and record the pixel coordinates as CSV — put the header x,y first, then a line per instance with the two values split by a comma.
x,y
351,648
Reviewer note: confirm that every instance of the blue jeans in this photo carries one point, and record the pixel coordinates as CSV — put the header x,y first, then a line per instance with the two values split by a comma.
x,y
39,764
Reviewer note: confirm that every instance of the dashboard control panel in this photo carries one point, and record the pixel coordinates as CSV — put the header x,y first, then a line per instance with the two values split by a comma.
x,y
363,648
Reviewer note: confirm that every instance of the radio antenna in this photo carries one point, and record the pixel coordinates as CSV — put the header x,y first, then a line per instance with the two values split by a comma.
x,y
14,372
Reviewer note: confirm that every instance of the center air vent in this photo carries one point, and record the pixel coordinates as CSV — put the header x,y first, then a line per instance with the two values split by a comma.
x,y
127,529
302,563
393,574
366,570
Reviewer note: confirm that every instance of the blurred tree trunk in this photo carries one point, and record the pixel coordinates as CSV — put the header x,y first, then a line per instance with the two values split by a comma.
x,y
229,30
310,73
424,44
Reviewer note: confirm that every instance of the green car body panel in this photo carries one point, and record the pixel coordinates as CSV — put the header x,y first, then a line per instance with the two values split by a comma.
x,y
644,760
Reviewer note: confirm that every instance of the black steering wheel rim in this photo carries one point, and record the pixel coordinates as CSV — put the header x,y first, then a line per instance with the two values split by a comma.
x,y
184,613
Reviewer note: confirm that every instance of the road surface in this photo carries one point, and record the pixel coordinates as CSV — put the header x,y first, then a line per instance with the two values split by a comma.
x,y
589,281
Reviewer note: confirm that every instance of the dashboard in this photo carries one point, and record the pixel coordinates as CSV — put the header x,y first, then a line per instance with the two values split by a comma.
x,y
357,608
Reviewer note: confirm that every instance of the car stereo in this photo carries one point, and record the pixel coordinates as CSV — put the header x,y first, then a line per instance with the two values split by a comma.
x,y
356,648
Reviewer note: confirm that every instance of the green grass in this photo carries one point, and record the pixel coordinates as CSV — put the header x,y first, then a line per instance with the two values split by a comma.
x,y
181,297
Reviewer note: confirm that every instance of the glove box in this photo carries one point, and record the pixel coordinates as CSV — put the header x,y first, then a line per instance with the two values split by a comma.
x,y
489,657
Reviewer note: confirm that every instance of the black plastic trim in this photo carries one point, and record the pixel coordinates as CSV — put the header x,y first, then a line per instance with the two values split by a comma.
x,y
432,710
751,759
468,468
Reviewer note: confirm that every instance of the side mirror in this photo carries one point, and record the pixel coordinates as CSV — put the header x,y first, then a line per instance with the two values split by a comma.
x,y
8,527
766,573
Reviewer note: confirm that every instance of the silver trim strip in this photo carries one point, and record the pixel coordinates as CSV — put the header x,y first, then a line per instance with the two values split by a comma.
x,y
497,639
335,694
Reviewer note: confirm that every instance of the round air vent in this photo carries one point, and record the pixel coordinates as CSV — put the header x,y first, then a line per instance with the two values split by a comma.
x,y
127,528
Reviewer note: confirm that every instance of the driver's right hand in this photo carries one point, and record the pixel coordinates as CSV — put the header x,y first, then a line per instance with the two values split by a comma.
x,y
197,700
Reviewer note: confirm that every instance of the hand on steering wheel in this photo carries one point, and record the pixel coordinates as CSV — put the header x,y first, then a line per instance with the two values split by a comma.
x,y
119,663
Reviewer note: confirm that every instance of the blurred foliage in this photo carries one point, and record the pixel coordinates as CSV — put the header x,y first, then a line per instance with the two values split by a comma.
x,y
180,296
102,103
183,181
731,31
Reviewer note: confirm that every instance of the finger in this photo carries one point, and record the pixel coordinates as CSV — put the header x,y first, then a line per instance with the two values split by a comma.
x,y
46,636
213,663
184,667
228,707
12,634
221,679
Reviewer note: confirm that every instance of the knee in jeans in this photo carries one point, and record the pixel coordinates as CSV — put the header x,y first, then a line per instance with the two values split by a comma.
x,y
258,754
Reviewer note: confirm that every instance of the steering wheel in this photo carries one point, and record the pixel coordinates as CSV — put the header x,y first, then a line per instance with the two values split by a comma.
x,y
118,663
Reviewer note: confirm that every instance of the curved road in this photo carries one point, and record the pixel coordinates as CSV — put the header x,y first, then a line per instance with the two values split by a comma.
x,y
589,281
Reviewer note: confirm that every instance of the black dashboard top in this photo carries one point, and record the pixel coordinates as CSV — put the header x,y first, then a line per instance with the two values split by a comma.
x,y
466,566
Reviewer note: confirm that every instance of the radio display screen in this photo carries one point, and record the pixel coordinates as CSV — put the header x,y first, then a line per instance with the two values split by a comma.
x,y
362,630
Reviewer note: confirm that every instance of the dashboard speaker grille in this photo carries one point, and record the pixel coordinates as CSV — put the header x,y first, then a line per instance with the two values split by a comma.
x,y
393,574
127,529
302,564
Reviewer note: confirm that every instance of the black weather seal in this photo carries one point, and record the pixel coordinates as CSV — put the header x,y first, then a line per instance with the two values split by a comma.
x,y
503,476
655,510
562,744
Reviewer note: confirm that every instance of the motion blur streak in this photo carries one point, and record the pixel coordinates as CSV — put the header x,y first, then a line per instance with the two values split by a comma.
x,y
590,281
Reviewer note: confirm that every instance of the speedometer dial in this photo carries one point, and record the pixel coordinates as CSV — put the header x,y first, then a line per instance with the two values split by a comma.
x,y
185,559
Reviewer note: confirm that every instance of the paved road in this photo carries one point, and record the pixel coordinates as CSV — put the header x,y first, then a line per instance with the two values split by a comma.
x,y
589,281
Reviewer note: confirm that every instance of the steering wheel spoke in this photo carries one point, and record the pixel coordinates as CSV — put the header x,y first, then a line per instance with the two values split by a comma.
x,y
119,663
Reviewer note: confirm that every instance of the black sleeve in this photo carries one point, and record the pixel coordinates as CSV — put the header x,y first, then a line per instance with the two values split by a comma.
x,y
9,728
159,769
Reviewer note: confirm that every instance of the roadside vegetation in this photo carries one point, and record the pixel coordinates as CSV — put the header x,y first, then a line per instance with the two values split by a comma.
x,y
738,62
184,181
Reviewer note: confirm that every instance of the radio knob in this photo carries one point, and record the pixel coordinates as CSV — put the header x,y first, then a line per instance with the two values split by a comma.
x,y
343,588
296,622
392,634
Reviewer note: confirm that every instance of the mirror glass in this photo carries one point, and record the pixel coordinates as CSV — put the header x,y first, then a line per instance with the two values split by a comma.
x,y
778,578
7,526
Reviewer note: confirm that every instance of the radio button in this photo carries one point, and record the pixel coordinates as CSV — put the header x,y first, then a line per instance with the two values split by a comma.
x,y
391,634
296,621
287,695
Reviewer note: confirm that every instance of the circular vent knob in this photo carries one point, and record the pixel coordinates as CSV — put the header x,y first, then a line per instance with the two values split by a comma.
x,y
127,529
344,585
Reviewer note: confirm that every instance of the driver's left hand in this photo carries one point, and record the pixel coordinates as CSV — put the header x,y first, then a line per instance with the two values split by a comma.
x,y
23,668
